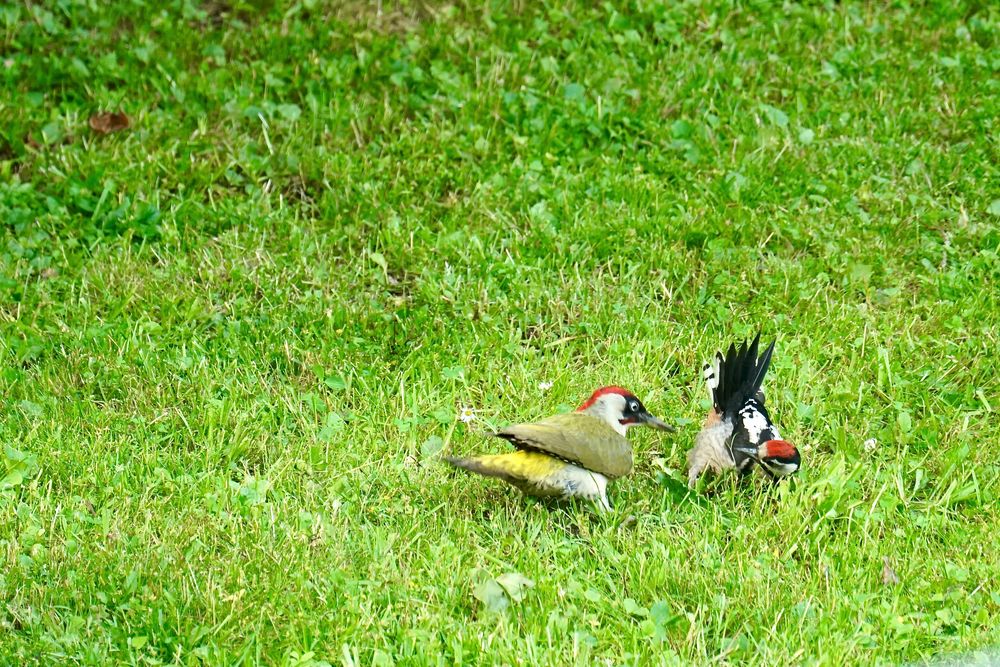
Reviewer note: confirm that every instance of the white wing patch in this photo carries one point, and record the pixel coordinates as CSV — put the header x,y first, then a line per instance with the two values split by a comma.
x,y
755,423
711,374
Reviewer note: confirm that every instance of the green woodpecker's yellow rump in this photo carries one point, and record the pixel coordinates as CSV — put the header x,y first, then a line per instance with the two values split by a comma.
x,y
518,468
570,455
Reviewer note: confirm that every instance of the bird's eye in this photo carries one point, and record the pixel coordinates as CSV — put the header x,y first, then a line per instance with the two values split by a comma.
x,y
633,406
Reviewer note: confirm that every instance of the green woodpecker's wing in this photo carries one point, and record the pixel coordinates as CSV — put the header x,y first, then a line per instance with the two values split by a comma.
x,y
578,438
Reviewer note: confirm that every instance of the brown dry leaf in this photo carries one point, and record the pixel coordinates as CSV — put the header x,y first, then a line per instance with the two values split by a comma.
x,y
889,577
105,123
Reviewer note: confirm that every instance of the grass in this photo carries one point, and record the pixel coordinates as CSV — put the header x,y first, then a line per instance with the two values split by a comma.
x,y
235,336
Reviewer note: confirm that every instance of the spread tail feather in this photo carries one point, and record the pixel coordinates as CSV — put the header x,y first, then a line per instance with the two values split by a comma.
x,y
739,375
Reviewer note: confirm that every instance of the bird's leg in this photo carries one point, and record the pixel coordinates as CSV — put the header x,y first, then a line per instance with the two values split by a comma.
x,y
602,503
694,473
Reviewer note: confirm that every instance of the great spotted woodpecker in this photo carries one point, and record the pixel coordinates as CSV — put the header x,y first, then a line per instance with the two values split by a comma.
x,y
738,431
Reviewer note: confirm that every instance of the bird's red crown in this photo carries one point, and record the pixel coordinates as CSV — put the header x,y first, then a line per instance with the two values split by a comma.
x,y
610,389
779,449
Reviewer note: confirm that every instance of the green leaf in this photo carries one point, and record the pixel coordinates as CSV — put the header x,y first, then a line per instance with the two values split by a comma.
x,y
916,166
52,132
492,595
335,382
573,92
806,136
734,184
994,207
633,609
252,491
539,212
860,273
379,259
432,445
649,628
313,401
515,584
290,112
11,479
30,409
16,467
444,416
737,643
956,573
660,613
905,422
681,129
332,424
775,115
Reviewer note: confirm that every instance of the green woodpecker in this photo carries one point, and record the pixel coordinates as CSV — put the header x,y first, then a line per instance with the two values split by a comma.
x,y
570,455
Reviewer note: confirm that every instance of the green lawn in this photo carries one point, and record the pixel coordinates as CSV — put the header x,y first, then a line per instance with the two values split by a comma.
x,y
236,335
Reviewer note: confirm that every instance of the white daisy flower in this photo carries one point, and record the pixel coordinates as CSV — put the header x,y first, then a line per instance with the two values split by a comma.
x,y
466,415
871,444
545,386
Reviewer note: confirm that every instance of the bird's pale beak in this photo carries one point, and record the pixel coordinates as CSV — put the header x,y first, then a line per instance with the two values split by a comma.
x,y
752,452
655,422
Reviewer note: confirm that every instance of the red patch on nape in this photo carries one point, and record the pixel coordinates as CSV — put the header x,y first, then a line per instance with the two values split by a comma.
x,y
610,389
780,449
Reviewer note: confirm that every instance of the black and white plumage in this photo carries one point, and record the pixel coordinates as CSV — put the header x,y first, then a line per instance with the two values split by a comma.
x,y
738,431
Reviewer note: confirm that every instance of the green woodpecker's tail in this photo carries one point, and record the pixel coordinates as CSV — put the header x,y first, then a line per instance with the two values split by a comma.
x,y
538,474
517,468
